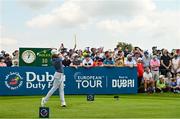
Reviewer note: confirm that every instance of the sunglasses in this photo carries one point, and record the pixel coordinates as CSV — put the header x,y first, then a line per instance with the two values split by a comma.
x,y
87,64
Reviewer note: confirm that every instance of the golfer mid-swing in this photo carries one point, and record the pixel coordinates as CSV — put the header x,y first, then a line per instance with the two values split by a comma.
x,y
58,79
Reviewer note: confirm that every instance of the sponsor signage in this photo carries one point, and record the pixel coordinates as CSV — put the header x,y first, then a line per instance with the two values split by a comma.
x,y
43,112
97,80
35,57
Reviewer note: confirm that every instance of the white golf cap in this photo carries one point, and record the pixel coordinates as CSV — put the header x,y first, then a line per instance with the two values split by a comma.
x,y
54,51
154,56
129,55
139,59
161,76
75,54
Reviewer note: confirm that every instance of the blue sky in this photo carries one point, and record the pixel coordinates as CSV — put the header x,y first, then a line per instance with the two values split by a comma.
x,y
47,23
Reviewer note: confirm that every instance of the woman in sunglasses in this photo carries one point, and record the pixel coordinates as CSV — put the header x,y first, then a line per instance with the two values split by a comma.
x,y
87,62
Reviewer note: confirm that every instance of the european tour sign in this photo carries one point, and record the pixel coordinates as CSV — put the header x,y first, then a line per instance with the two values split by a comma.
x,y
97,80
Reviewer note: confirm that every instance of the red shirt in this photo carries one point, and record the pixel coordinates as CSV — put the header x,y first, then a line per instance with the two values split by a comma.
x,y
140,69
97,63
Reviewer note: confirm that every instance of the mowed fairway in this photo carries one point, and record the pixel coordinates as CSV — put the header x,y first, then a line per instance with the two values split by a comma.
x,y
105,106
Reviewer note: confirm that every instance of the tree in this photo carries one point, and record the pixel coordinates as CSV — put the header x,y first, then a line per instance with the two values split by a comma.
x,y
123,46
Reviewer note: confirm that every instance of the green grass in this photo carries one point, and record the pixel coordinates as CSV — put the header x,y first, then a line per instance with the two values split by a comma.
x,y
105,106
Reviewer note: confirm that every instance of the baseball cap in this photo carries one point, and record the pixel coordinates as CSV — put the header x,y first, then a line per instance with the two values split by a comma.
x,y
139,59
129,55
75,55
161,76
53,52
154,56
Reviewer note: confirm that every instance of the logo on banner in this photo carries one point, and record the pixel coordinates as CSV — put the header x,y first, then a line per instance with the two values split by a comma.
x,y
13,80
89,81
44,112
38,81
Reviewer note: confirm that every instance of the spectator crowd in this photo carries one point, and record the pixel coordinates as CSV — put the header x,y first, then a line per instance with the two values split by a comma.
x,y
157,71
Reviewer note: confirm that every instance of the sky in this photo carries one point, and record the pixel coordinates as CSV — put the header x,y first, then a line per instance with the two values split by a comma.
x,y
96,23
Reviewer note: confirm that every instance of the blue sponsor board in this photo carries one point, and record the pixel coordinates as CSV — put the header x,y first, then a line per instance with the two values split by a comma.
x,y
97,80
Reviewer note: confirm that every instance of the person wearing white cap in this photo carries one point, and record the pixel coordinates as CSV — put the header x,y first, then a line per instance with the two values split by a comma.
x,y
87,62
58,79
161,85
54,52
140,71
130,62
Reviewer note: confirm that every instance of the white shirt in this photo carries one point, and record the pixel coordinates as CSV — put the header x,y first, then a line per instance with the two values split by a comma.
x,y
147,76
175,63
130,63
178,81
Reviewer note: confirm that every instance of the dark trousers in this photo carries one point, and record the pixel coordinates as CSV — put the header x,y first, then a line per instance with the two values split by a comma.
x,y
164,71
139,81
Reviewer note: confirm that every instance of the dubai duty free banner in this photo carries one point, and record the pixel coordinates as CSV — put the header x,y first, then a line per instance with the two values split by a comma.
x,y
97,80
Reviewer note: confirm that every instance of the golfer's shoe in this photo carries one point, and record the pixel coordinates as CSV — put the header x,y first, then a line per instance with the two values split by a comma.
x,y
43,102
63,105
